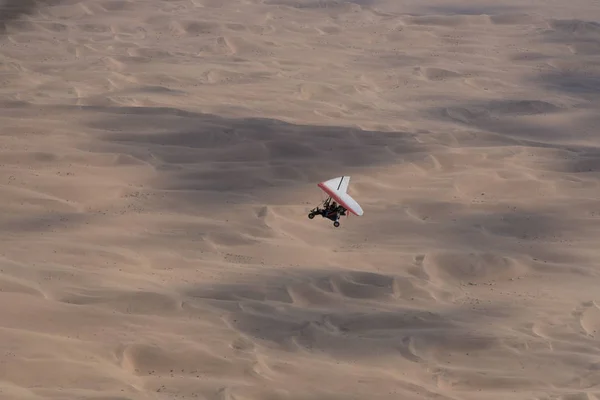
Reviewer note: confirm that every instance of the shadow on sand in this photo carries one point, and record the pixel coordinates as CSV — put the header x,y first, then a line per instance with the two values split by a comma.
x,y
242,157
12,10
347,314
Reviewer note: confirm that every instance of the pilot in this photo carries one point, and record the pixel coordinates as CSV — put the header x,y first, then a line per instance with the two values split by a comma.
x,y
333,208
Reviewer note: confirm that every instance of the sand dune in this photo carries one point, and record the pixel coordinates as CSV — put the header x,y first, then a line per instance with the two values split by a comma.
x,y
158,160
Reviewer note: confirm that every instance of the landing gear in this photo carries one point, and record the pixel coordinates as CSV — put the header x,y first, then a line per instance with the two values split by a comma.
x,y
333,215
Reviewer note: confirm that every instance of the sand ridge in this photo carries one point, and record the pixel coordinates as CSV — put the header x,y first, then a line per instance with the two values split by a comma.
x,y
158,160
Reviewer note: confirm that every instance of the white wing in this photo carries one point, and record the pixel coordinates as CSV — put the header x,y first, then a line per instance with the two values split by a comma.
x,y
337,188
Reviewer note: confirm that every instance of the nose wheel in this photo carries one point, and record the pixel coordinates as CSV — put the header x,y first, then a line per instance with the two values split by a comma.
x,y
336,224
311,216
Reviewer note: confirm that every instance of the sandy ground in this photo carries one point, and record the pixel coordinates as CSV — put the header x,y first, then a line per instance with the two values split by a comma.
x,y
158,160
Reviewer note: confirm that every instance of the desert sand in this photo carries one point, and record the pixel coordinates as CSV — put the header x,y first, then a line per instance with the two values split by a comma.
x,y
159,158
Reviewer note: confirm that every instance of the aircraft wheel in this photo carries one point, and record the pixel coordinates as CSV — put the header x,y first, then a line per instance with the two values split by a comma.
x,y
336,224
311,216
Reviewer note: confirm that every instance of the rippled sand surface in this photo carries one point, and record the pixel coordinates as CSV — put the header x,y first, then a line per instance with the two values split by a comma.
x,y
158,160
